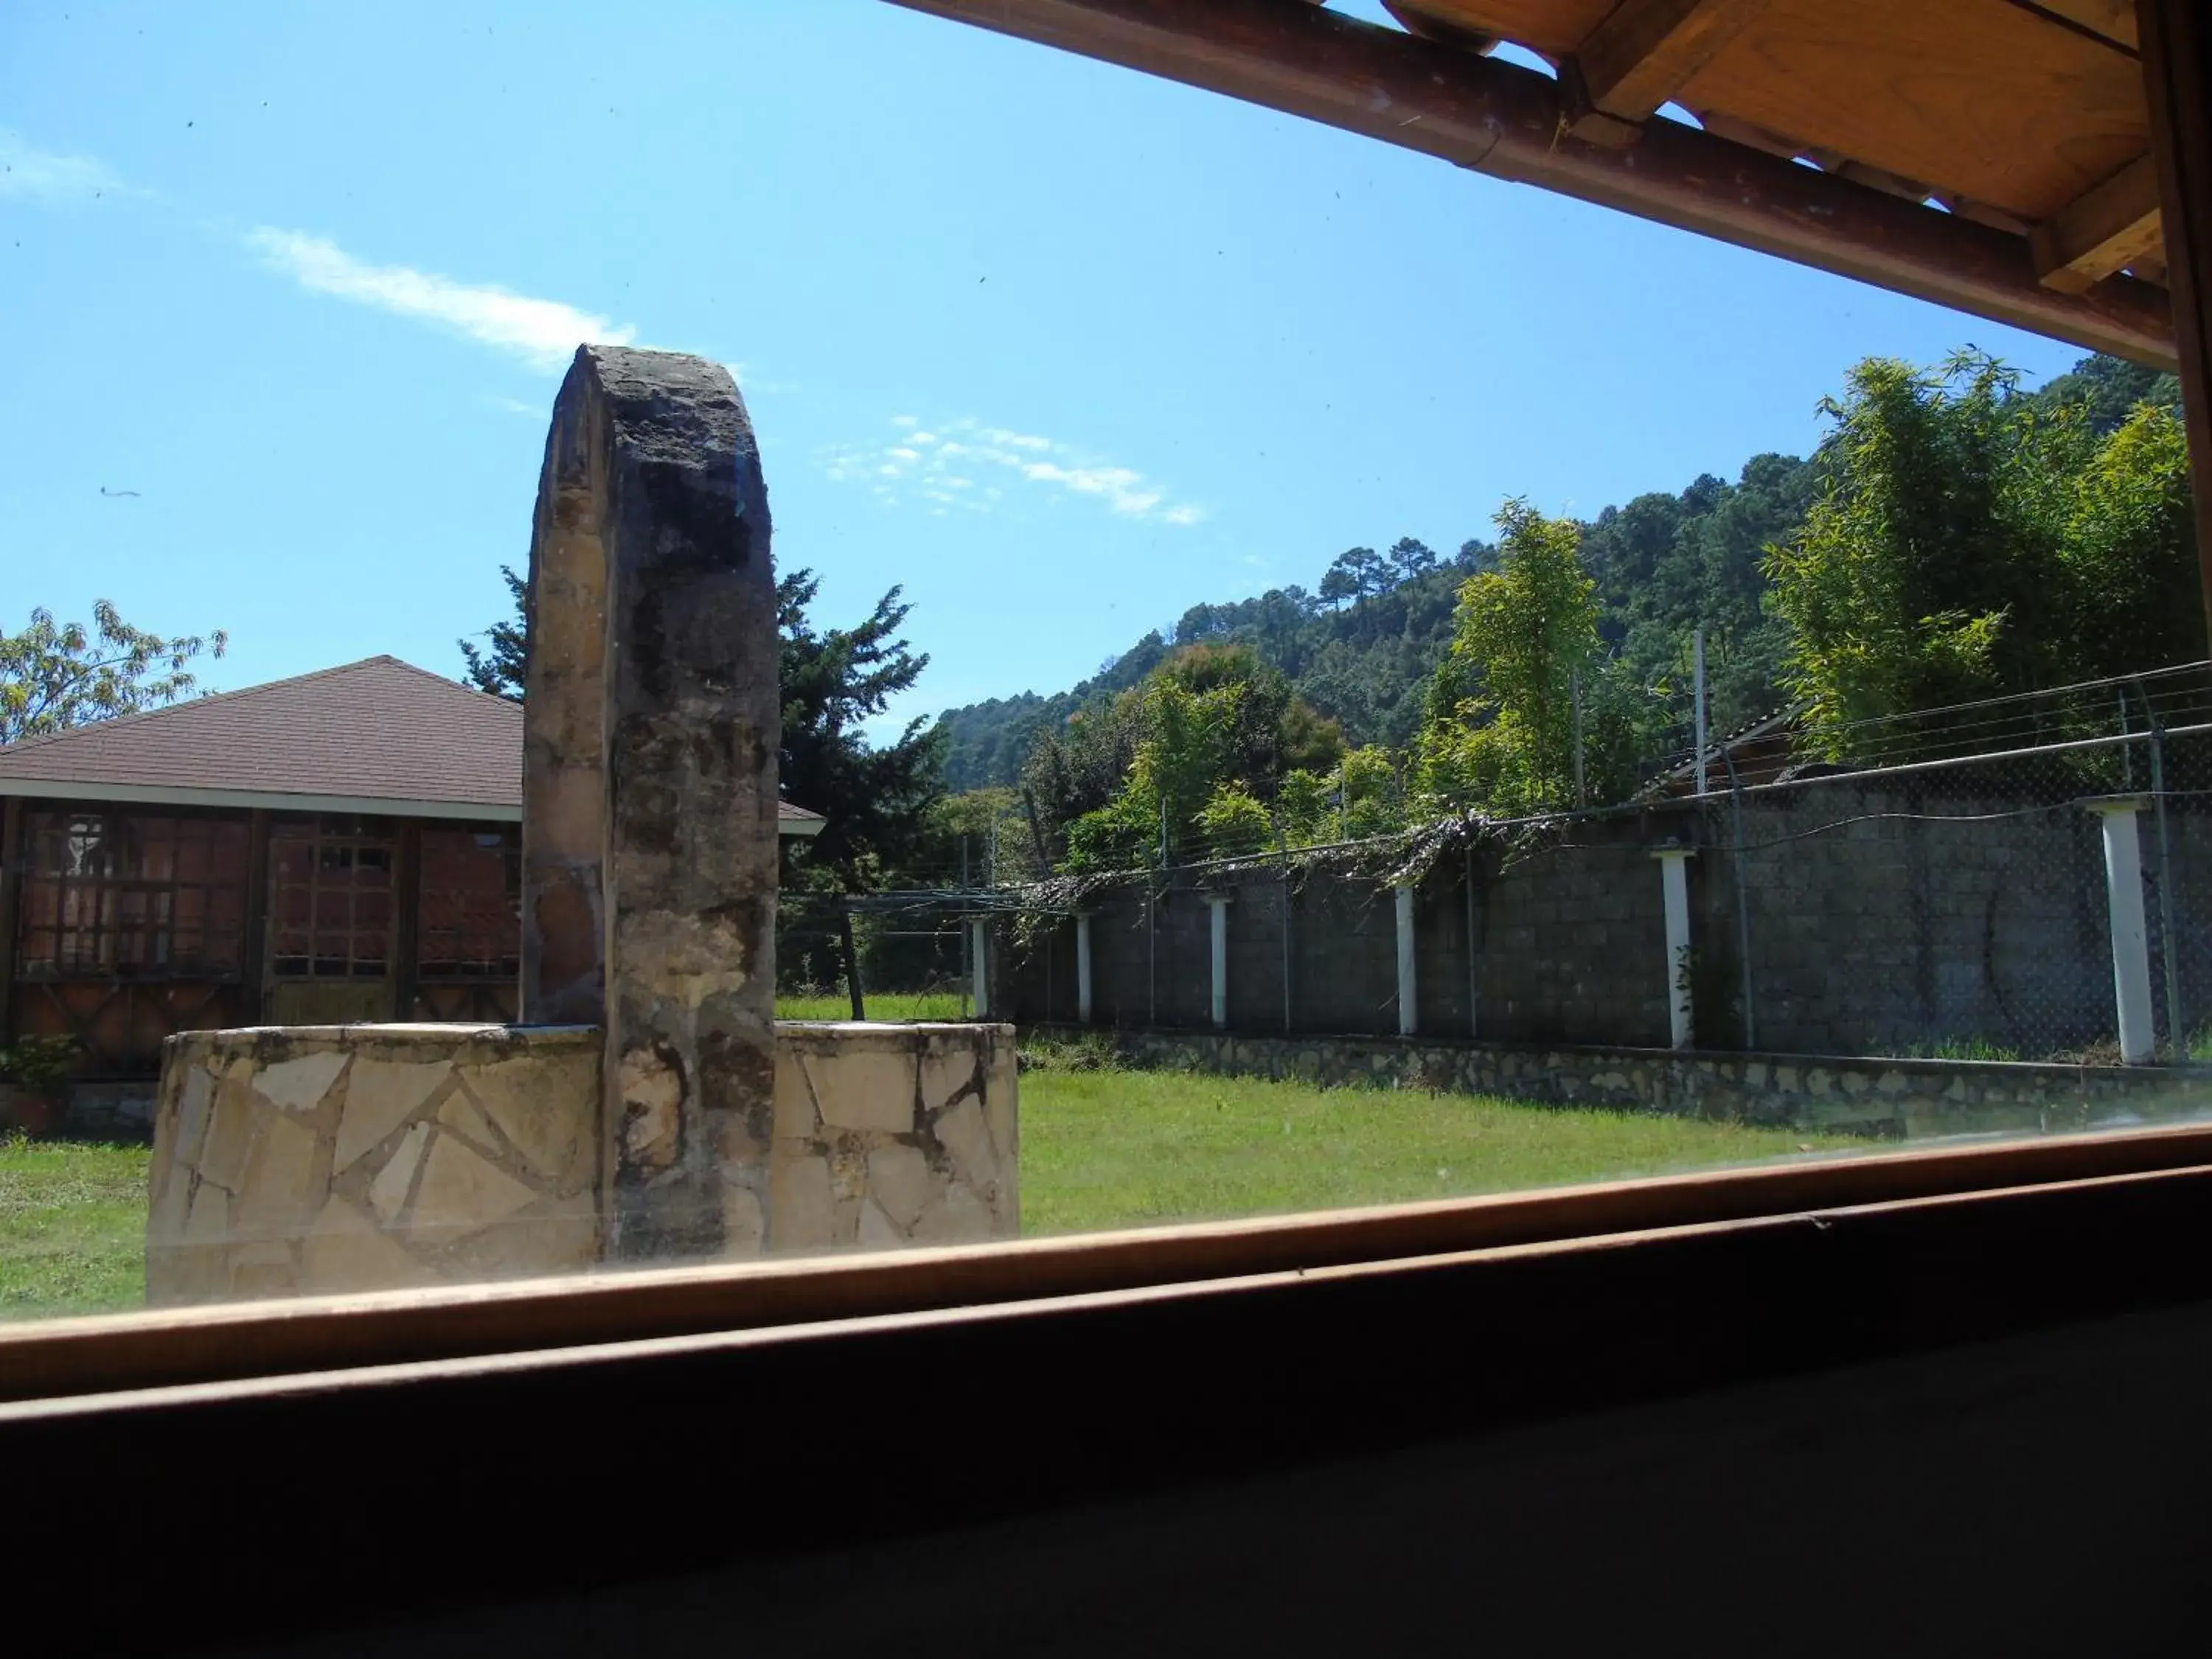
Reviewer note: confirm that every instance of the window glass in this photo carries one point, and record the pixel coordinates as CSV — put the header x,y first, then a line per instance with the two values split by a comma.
x,y
1404,686
469,919
332,882
131,894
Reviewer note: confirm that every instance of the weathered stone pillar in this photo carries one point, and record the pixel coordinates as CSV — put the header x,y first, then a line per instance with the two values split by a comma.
x,y
649,817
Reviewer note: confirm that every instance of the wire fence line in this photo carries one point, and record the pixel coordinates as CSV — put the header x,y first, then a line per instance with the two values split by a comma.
x,y
1949,901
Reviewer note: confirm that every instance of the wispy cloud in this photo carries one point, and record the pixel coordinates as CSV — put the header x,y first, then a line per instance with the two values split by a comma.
x,y
517,406
755,384
544,333
945,465
30,173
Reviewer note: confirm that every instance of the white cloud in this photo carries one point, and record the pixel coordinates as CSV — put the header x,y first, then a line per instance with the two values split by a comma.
x,y
544,333
516,406
40,176
938,463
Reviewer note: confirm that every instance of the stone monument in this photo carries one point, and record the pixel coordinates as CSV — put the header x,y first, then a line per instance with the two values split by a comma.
x,y
648,1107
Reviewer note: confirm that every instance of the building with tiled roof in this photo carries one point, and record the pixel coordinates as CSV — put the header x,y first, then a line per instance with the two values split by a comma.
x,y
343,846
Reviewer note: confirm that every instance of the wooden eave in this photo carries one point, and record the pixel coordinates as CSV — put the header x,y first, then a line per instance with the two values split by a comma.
x,y
1984,155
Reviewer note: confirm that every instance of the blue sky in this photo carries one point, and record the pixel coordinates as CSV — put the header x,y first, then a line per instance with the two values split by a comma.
x,y
1062,348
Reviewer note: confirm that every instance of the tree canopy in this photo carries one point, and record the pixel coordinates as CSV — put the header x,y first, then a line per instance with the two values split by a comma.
x,y
1970,542
874,797
54,675
1187,758
1953,537
502,665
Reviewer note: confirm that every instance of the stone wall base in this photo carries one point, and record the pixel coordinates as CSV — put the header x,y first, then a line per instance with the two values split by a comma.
x,y
1842,1095
298,1160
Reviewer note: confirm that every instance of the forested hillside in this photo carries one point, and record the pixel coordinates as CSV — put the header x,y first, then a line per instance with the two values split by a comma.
x,y
1363,646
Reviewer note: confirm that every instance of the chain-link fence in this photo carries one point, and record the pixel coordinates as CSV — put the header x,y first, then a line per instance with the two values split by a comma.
x,y
1939,885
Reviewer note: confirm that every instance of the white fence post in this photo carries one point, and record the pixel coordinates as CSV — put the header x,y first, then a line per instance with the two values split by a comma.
x,y
2123,896
1408,1007
981,933
1674,892
1082,967
1219,904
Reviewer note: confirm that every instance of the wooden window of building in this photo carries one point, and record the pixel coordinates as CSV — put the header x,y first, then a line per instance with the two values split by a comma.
x,y
331,894
131,893
468,916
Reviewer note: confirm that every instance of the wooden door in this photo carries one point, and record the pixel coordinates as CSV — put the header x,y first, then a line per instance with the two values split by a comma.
x,y
333,916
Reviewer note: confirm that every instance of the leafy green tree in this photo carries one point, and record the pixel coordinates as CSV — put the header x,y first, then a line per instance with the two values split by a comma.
x,y
875,798
1973,542
1372,793
54,676
500,666
1501,734
2108,390
1409,559
1208,718
1307,808
1355,573
2134,594
1234,823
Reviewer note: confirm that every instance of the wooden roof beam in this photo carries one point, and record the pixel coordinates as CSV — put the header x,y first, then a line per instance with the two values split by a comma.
x,y
1497,118
1411,19
2106,229
1644,53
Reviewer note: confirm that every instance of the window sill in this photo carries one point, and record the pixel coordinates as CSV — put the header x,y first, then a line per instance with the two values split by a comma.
x,y
245,1341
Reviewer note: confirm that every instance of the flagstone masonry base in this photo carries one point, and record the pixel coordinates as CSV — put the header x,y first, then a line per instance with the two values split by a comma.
x,y
300,1160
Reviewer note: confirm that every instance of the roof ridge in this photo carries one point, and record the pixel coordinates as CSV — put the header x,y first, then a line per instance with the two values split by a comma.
x,y
450,684
138,715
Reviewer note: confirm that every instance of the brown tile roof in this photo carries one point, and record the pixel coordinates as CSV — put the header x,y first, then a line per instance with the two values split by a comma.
x,y
378,730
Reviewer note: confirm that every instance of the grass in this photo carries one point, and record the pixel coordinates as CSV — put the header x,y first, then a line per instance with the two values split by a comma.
x,y
72,1227
1105,1148
896,1006
1977,1048
1101,1147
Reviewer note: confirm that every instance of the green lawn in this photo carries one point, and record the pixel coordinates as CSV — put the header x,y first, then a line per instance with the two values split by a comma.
x,y
1122,1149
1103,1148
72,1227
897,1006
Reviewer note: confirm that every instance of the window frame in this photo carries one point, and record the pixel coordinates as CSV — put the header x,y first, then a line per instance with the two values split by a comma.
x,y
244,1343
125,830
350,833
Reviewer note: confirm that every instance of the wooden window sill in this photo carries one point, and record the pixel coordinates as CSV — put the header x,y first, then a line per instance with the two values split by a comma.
x,y
245,1341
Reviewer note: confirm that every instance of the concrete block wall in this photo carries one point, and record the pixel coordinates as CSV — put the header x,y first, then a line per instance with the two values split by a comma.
x,y
1870,1096
1884,914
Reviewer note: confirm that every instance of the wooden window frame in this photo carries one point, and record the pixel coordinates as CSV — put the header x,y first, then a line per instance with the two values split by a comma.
x,y
429,972
245,1343
125,824
317,835
830,1406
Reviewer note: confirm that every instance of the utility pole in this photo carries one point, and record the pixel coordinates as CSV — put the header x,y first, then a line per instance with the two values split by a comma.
x,y
1582,792
1699,647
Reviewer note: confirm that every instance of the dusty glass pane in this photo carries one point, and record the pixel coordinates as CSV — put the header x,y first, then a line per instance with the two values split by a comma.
x,y
1249,852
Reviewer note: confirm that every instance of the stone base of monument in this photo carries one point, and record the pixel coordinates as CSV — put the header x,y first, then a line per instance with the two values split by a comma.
x,y
306,1159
